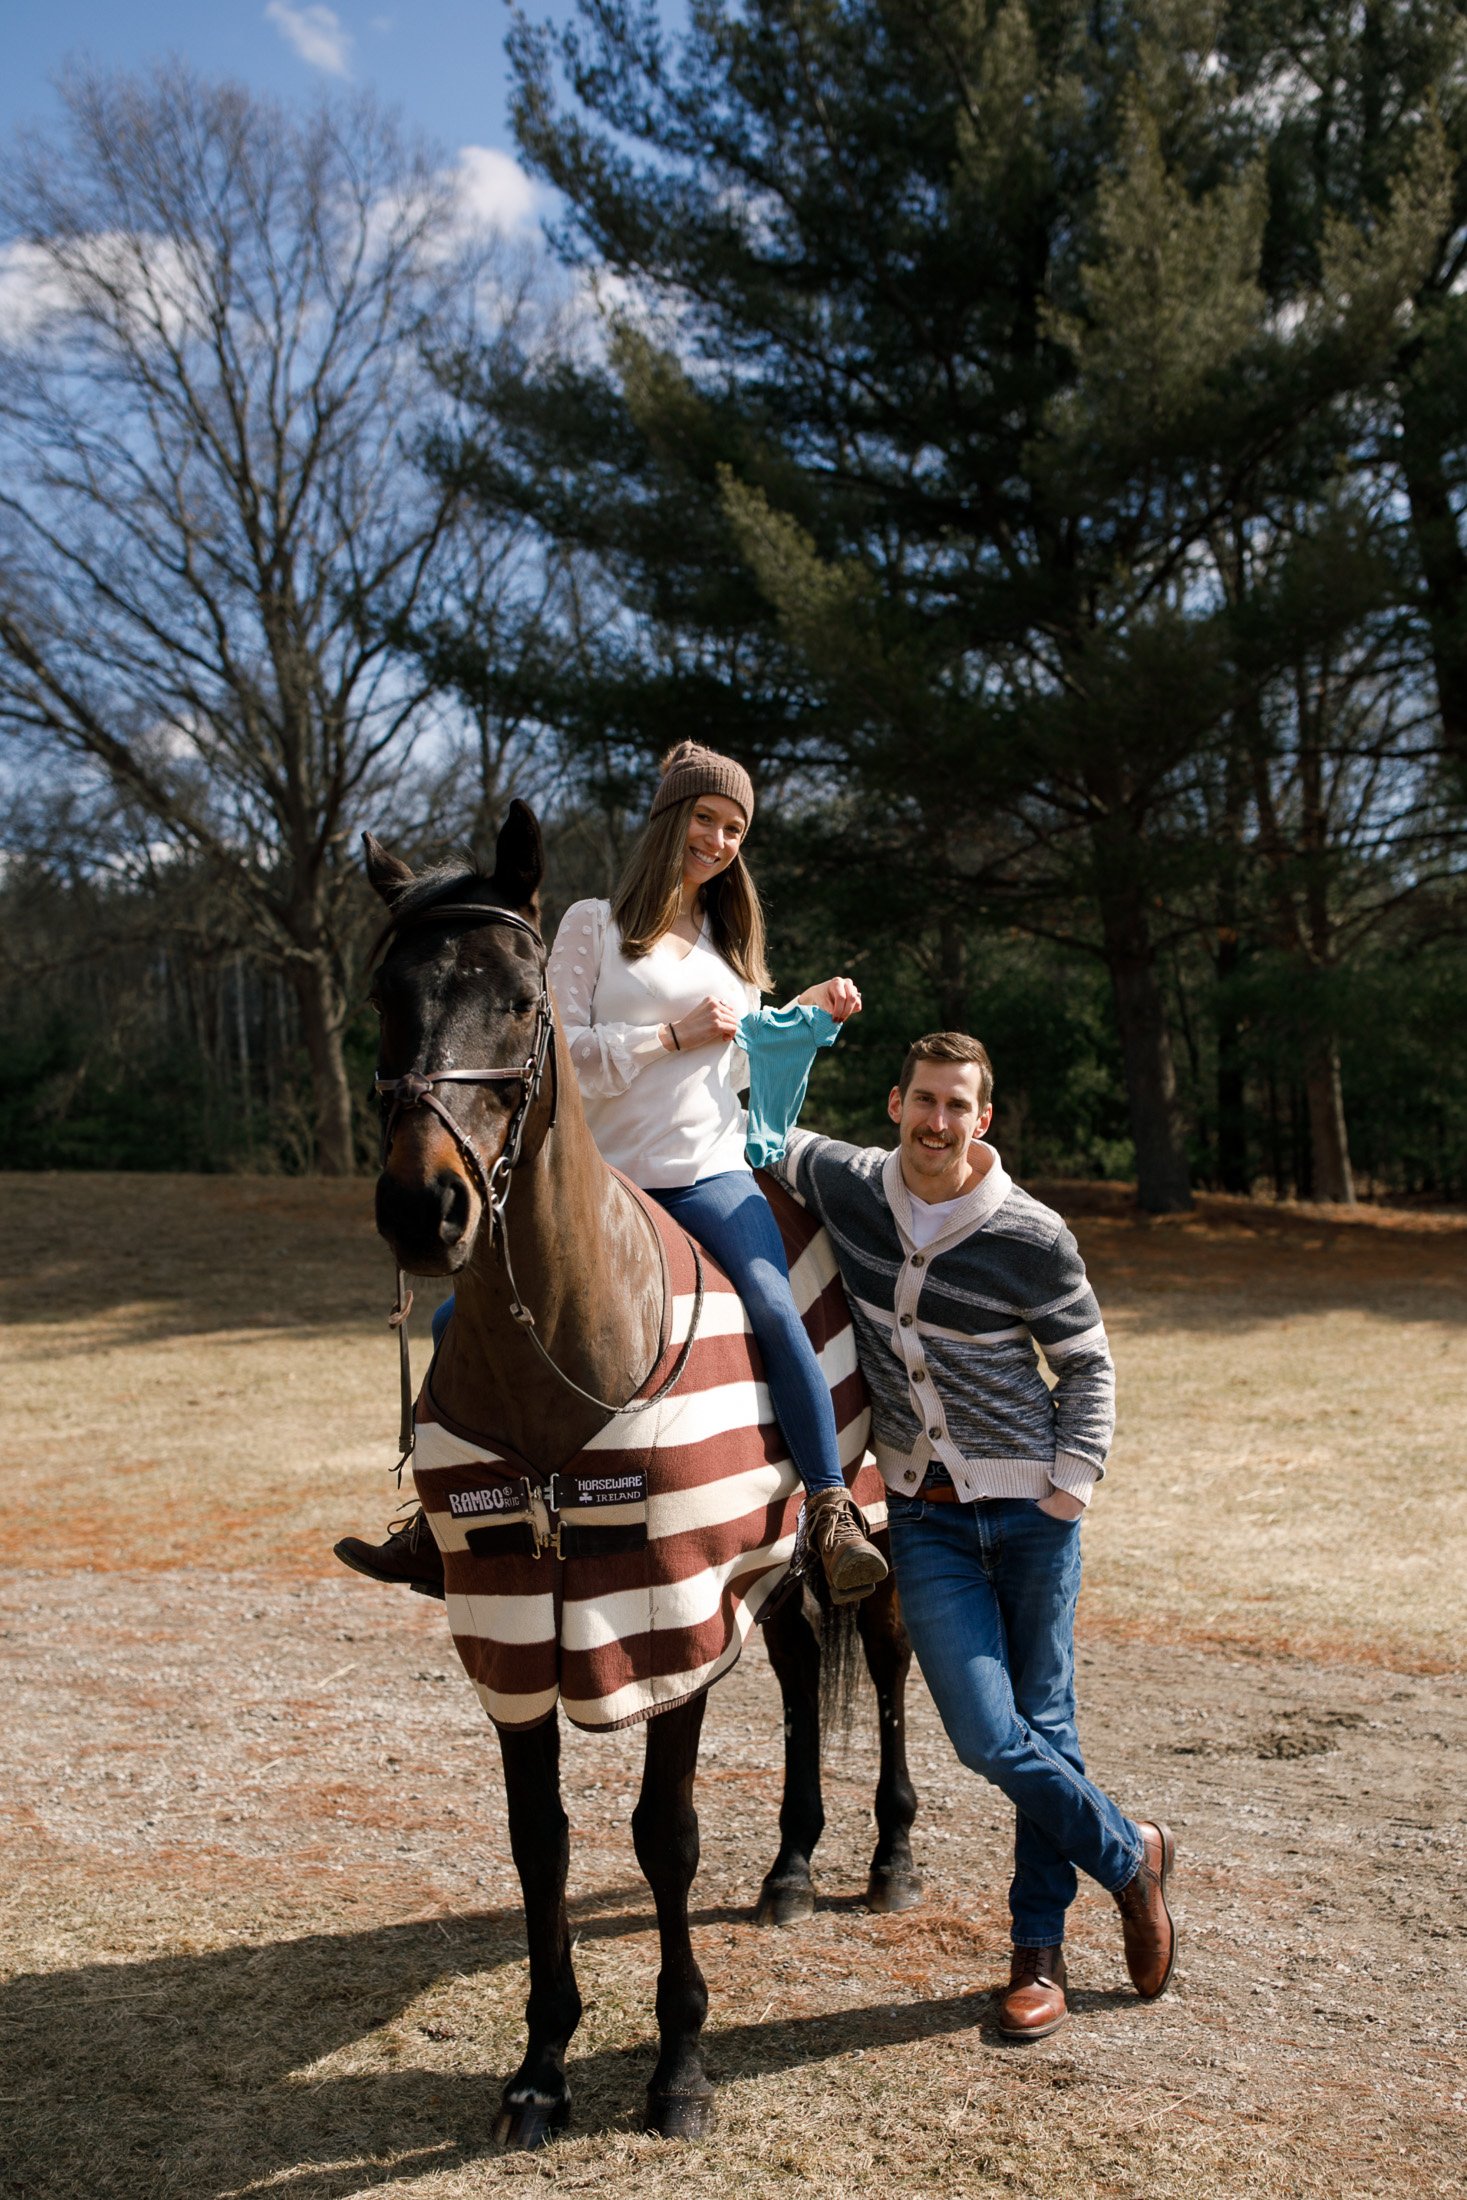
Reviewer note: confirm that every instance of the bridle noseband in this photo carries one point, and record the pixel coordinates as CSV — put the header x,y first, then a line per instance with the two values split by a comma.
x,y
415,1089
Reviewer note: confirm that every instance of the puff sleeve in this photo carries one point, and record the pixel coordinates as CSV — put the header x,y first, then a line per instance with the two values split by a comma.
x,y
606,1056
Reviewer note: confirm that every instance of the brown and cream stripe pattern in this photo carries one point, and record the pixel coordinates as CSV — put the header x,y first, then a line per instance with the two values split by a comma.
x,y
618,1634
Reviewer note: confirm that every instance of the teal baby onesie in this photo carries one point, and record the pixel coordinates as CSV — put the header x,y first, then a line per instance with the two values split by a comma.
x,y
781,1044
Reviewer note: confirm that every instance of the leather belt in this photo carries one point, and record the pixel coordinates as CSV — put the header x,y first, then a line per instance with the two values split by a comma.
x,y
941,1493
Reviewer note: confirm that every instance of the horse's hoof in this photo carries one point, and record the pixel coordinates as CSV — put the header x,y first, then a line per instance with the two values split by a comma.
x,y
522,2126
784,1902
680,2115
888,1892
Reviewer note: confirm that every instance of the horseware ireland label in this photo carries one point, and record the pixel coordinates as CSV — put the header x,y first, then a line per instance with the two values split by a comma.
x,y
576,1490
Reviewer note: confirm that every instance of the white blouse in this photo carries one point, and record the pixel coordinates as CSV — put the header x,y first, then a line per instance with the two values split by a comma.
x,y
663,1118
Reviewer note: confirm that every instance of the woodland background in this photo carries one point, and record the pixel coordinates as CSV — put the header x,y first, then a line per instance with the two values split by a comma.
x,y
1032,435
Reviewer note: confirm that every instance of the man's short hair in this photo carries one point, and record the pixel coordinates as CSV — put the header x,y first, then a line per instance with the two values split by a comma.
x,y
949,1046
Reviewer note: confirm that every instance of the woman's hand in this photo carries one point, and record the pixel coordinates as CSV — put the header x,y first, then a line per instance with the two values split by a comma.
x,y
839,997
711,1024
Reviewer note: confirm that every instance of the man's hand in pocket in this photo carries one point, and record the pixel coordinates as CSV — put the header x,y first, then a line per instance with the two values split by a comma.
x,y
1061,1506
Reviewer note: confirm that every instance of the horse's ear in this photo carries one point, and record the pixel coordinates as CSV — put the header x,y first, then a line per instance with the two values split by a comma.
x,y
519,859
388,873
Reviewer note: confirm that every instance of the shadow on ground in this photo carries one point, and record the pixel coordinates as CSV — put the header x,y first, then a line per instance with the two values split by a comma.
x,y
197,2074
189,1256
192,1256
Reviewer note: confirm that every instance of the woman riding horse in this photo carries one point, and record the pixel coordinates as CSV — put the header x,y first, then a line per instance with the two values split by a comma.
x,y
655,990
602,1342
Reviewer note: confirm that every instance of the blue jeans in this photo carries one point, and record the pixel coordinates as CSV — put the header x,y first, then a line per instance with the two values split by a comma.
x,y
730,1216
988,1593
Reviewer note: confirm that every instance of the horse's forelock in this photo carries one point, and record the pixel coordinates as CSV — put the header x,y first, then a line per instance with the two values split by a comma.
x,y
441,882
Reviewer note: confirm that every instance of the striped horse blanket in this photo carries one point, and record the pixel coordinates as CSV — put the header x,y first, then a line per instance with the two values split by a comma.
x,y
628,1579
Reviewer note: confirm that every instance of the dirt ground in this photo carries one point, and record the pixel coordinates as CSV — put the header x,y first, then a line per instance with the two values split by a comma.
x,y
258,1926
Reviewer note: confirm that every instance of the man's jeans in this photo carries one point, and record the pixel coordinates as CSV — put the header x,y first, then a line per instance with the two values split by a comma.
x,y
730,1215
988,1593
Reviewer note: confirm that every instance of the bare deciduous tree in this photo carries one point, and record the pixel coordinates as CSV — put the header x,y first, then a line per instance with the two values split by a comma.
x,y
212,381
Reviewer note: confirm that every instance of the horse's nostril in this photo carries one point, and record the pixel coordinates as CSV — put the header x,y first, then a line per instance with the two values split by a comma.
x,y
425,1221
453,1194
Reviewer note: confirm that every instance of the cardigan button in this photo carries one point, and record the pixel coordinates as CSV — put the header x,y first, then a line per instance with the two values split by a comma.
x,y
919,1374
935,1433
906,1321
916,1260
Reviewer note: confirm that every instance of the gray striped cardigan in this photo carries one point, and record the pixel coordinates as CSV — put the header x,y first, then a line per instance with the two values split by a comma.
x,y
946,1335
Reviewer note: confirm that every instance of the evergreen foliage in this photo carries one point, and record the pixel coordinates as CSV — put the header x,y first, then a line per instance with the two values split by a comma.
x,y
1032,435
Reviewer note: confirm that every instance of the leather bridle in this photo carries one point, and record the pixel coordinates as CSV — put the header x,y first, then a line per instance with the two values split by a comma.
x,y
416,1089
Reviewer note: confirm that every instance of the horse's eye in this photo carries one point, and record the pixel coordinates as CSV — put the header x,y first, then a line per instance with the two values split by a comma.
x,y
522,1008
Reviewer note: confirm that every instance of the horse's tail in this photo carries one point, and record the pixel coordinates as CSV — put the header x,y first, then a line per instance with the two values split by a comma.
x,y
840,1662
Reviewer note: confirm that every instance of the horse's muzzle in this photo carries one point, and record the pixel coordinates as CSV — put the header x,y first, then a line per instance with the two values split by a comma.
x,y
430,1226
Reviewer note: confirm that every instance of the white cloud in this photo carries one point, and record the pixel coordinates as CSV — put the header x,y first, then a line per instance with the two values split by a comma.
x,y
493,191
31,292
317,34
148,285
482,196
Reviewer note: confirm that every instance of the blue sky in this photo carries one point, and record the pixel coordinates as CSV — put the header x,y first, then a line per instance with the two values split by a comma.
x,y
440,61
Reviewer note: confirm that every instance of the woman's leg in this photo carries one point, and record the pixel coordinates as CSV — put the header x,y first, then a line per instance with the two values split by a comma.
x,y
730,1215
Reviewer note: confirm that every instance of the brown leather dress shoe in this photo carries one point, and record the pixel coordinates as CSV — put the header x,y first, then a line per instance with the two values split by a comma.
x,y
409,1558
837,1534
1146,1922
1034,2005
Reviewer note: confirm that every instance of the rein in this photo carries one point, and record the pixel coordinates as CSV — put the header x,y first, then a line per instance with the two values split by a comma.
x,y
416,1089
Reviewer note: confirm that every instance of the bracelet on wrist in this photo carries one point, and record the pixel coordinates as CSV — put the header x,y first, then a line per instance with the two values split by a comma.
x,y
672,1034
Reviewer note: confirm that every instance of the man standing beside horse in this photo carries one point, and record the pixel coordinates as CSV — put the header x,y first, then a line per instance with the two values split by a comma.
x,y
954,1276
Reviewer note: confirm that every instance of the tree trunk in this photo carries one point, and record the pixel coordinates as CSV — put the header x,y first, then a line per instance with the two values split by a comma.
x,y
1232,1116
1232,1119
1276,1137
952,971
1443,572
1328,1138
1163,1185
1301,1142
319,1002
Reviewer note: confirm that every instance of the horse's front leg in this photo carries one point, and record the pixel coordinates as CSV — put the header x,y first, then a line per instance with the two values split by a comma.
x,y
788,1892
893,1883
665,1833
536,2101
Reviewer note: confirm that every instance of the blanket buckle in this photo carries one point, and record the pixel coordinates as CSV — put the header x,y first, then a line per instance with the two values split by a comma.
x,y
544,1502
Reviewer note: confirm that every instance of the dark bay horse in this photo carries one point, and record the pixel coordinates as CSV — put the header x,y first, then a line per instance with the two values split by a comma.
x,y
472,1126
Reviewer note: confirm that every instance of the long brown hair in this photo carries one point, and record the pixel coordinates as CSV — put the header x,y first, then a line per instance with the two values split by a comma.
x,y
648,893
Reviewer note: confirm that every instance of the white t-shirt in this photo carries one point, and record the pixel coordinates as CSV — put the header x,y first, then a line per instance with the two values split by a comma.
x,y
662,1118
931,1216
928,1219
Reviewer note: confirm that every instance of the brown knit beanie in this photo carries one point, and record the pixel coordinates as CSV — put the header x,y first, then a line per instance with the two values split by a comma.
x,y
690,769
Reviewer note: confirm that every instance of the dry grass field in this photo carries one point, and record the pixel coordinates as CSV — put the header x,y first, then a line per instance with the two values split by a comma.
x,y
260,1934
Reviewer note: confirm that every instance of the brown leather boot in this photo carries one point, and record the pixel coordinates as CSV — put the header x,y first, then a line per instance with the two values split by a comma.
x,y
837,1534
1034,2005
1146,1922
409,1556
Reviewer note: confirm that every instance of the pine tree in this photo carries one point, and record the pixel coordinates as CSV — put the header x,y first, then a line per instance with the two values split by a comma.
x,y
949,344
